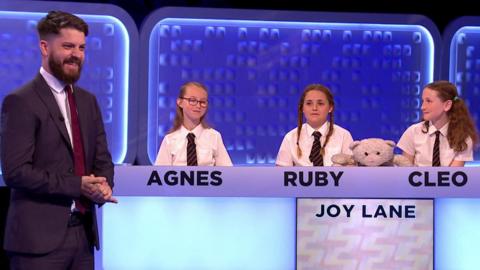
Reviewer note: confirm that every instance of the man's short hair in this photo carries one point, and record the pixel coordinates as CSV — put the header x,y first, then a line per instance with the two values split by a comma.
x,y
57,20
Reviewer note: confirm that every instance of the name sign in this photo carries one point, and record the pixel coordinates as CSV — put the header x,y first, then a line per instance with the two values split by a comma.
x,y
332,182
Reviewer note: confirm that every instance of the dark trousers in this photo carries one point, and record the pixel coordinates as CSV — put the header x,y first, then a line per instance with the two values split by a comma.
x,y
75,253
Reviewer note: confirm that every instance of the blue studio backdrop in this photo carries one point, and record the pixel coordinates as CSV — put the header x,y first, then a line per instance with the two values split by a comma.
x,y
255,65
256,69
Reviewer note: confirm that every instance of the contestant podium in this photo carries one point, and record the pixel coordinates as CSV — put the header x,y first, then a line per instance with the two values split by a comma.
x,y
290,218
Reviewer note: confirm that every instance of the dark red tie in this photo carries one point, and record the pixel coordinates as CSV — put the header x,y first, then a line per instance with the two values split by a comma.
x,y
78,154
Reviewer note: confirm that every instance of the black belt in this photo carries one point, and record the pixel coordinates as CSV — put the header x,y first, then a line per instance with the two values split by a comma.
x,y
76,219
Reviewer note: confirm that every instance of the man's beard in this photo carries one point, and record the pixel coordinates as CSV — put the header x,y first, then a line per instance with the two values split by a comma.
x,y
57,69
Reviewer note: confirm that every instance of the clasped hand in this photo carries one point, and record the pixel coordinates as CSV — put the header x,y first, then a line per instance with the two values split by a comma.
x,y
97,189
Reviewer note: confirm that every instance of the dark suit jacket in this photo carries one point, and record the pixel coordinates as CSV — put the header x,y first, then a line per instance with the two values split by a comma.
x,y
37,164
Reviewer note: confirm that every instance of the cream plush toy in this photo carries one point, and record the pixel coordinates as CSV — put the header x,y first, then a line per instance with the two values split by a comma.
x,y
371,152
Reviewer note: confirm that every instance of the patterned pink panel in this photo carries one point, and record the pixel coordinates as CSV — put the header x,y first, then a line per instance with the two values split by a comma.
x,y
361,241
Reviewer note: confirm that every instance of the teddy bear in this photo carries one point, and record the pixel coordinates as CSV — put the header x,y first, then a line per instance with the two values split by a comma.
x,y
371,152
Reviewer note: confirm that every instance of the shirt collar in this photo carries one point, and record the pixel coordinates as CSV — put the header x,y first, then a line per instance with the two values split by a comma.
x,y
323,129
55,84
197,131
443,130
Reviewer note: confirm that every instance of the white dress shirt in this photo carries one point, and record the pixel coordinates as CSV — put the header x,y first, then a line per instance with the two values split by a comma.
x,y
58,92
210,148
339,142
60,96
420,145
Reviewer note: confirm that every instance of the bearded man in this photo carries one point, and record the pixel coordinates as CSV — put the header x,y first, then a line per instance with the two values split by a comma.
x,y
55,156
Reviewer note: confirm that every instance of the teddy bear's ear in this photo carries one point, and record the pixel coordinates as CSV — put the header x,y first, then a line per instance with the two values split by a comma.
x,y
354,144
391,143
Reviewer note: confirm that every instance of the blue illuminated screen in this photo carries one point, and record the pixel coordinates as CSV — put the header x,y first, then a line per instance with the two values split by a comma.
x,y
464,68
256,71
105,72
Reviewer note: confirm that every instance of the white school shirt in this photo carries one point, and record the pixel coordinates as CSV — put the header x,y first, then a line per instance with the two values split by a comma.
x,y
420,145
210,148
339,142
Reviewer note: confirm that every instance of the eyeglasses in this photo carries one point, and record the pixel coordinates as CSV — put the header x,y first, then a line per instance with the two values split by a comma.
x,y
193,101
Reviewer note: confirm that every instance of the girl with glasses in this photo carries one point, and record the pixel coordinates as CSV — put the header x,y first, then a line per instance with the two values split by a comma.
x,y
191,142
315,142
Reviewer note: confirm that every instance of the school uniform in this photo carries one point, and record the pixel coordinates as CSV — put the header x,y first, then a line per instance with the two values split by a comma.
x,y
339,142
420,145
209,145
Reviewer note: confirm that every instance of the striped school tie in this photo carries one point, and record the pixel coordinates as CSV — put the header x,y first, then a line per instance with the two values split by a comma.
x,y
436,150
191,150
315,157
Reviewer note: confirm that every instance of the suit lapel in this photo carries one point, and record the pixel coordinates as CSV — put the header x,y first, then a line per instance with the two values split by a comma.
x,y
46,96
84,118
